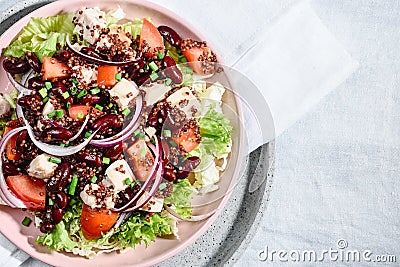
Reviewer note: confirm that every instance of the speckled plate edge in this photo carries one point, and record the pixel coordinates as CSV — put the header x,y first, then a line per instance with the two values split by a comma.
x,y
264,154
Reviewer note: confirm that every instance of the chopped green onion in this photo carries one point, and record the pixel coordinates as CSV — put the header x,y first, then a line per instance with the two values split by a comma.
x,y
75,81
154,76
82,93
167,133
153,66
45,100
168,81
74,91
118,77
93,179
81,115
134,183
142,153
72,202
146,66
99,107
43,92
136,132
63,145
65,95
106,160
26,221
160,54
48,85
68,105
60,113
162,186
95,91
52,114
126,112
51,202
88,134
140,135
55,160
110,105
182,59
127,181
73,185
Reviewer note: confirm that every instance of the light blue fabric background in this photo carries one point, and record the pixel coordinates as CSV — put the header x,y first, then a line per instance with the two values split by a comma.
x,y
337,169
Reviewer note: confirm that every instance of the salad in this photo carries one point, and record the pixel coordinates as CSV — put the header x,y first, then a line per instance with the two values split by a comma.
x,y
110,131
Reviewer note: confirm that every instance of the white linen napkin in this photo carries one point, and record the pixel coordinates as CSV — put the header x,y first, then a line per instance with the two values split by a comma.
x,y
282,46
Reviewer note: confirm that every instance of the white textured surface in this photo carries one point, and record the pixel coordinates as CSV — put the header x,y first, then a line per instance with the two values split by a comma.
x,y
336,169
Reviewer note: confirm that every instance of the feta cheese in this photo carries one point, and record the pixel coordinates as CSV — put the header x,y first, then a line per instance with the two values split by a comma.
x,y
41,167
48,108
151,131
155,93
87,22
123,93
116,174
91,200
117,13
186,101
153,205
85,74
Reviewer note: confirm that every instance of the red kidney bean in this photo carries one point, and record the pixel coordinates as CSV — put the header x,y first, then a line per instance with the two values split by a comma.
x,y
46,227
61,200
170,35
166,151
33,61
58,89
106,122
16,65
21,136
55,134
64,55
169,174
90,99
171,70
60,180
140,80
35,83
187,166
9,169
91,159
31,102
90,52
57,215
153,120
114,152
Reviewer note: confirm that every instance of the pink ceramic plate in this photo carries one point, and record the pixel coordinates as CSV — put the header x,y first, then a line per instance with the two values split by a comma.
x,y
161,249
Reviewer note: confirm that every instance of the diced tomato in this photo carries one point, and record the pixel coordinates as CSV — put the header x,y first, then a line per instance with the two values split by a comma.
x,y
31,191
152,37
193,56
11,147
96,222
79,112
53,69
106,76
187,139
142,161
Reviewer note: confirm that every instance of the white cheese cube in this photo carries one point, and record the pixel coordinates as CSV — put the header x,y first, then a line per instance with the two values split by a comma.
x,y
153,205
41,167
87,21
185,100
117,173
155,93
123,93
92,201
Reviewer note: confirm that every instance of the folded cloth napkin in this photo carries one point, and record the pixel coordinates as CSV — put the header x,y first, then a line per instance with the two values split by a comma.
x,y
283,47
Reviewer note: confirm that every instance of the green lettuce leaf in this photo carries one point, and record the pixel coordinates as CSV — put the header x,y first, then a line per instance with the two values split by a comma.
x,y
41,36
182,193
58,239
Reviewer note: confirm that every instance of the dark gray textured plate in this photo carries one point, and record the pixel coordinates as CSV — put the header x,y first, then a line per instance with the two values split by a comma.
x,y
224,242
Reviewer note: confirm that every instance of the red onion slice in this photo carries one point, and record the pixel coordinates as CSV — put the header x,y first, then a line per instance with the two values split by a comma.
x,y
80,130
96,60
5,193
194,218
157,160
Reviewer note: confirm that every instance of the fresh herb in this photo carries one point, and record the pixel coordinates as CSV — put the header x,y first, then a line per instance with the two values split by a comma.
x,y
55,160
26,221
74,91
106,160
48,85
88,134
127,181
45,100
75,81
154,76
160,54
82,93
65,95
93,179
95,91
118,77
43,92
126,112
73,185
99,107
153,66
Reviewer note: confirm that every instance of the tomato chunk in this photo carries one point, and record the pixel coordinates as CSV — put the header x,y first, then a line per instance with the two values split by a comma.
x,y
187,138
152,37
79,112
53,69
106,76
31,191
96,222
11,147
193,55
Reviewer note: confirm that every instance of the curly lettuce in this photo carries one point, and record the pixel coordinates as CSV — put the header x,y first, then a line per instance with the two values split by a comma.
x,y
42,35
182,193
